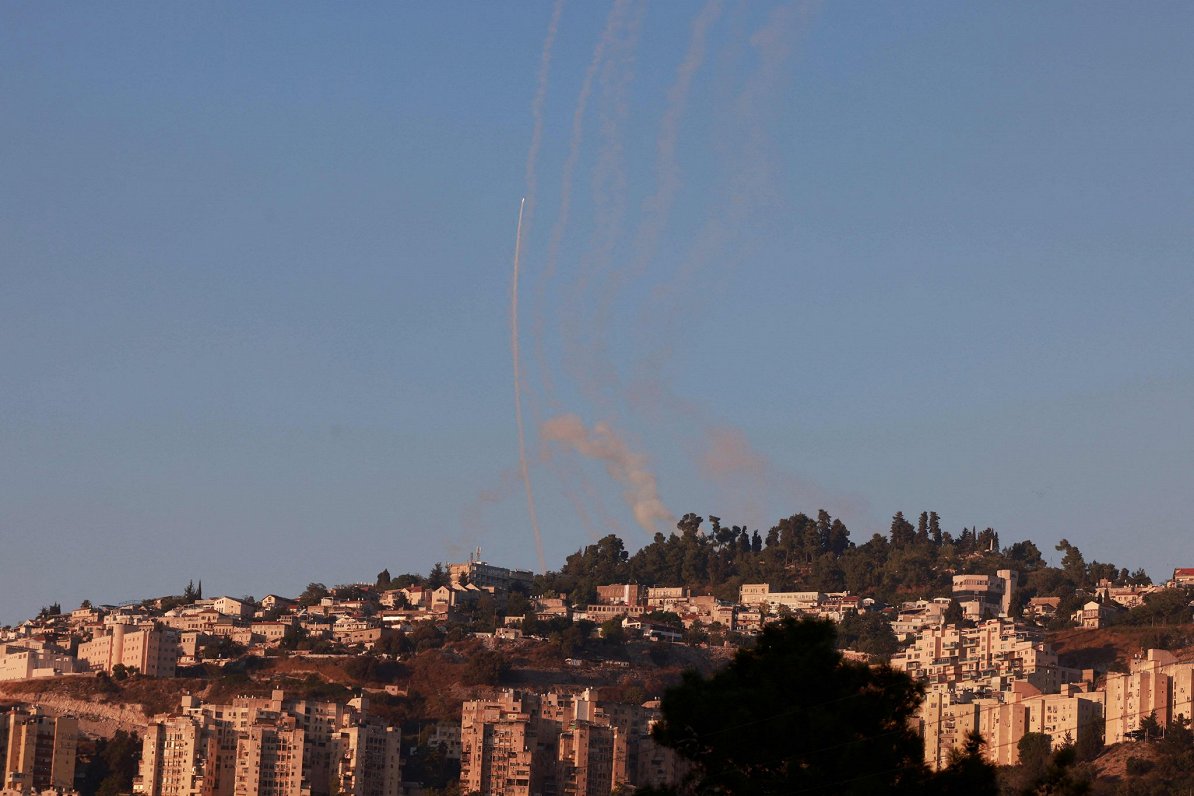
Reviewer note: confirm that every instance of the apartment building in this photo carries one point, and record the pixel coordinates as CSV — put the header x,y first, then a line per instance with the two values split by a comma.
x,y
273,602
367,760
18,662
602,613
446,737
666,597
269,759
1127,596
585,759
174,758
1157,684
1003,718
257,746
913,616
760,594
497,745
985,596
621,594
1042,608
229,606
548,608
488,576
557,744
950,654
151,651
204,620
1094,614
39,750
272,632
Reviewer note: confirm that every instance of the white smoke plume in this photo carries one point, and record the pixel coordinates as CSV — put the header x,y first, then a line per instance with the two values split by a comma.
x,y
517,356
532,179
630,469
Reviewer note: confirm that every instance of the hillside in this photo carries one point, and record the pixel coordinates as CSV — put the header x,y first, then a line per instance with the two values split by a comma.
x,y
1112,648
429,685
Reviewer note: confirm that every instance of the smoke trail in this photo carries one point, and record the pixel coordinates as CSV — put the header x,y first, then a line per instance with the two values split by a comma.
x,y
532,180
749,192
522,444
657,207
641,490
594,373
565,471
612,24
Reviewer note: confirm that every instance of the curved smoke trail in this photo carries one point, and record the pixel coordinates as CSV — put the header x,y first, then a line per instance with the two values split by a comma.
x,y
522,443
532,179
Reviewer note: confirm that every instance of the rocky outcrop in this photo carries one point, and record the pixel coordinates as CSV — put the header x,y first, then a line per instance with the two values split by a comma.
x,y
99,719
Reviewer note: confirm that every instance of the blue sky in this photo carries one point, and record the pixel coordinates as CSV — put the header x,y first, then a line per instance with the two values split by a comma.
x,y
255,274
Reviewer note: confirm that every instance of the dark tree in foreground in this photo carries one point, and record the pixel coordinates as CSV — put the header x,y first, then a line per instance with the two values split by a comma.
x,y
792,716
111,767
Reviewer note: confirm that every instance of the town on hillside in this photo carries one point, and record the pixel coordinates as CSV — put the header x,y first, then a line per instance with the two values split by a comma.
x,y
480,679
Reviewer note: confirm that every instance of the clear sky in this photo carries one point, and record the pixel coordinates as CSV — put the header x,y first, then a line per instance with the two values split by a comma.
x,y
256,267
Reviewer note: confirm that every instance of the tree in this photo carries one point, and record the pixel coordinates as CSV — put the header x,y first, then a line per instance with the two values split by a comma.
x,y
1025,556
438,576
791,715
1036,749
935,527
953,613
485,667
1150,727
968,771
111,769
383,578
1072,564
922,527
313,594
902,532
869,633
613,632
1165,607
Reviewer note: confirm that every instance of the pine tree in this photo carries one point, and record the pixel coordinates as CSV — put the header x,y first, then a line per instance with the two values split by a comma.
x,y
922,527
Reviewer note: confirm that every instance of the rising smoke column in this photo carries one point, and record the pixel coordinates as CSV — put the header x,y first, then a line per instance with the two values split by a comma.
x,y
641,490
522,443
